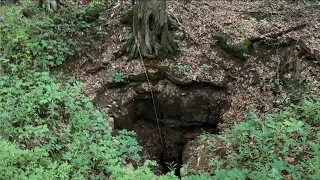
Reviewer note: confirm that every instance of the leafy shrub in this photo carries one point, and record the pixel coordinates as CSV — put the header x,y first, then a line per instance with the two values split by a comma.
x,y
182,70
29,164
41,41
282,145
58,132
38,113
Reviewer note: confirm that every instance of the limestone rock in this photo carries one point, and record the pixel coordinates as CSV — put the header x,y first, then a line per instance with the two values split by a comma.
x,y
130,166
194,157
111,123
124,116
192,109
181,80
153,74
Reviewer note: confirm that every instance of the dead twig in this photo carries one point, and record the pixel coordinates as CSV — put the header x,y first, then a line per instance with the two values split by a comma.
x,y
95,69
275,35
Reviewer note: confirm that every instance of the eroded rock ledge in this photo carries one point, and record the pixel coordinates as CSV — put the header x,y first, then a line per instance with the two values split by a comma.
x,y
183,113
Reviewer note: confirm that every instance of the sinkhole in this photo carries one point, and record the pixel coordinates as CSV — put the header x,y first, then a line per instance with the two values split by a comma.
x,y
165,124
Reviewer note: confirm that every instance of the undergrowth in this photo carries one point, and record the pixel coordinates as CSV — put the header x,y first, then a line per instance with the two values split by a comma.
x,y
280,146
50,130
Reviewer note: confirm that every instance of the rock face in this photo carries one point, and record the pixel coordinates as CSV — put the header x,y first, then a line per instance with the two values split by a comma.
x,y
180,111
181,80
216,78
182,114
153,74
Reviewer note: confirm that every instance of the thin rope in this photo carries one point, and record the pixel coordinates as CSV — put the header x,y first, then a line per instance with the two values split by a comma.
x,y
149,84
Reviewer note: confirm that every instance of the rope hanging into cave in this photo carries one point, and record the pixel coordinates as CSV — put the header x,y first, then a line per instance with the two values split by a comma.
x,y
149,84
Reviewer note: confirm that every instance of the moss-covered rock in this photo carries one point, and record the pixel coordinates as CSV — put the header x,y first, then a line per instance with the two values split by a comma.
x,y
240,51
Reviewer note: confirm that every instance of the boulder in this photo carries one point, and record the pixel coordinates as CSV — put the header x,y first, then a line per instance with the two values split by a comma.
x,y
194,157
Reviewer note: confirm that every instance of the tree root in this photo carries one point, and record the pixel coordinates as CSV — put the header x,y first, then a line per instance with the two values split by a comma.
x,y
167,47
152,49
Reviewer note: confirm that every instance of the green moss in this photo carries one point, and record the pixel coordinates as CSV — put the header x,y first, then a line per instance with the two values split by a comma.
x,y
240,51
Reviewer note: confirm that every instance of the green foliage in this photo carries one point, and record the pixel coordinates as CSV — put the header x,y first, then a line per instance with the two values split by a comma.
x,y
117,76
269,2
166,89
171,166
180,47
202,176
182,70
107,60
42,41
58,134
38,113
29,164
284,143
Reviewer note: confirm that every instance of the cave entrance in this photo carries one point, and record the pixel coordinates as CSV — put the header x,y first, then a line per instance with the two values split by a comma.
x,y
169,154
178,121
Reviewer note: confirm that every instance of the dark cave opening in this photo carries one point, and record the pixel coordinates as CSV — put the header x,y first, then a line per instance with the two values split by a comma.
x,y
168,166
163,130
168,155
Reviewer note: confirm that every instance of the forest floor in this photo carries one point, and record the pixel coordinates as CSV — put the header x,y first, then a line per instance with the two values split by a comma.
x,y
250,84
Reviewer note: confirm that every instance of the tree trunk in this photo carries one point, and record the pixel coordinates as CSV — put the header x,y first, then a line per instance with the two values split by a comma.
x,y
150,34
